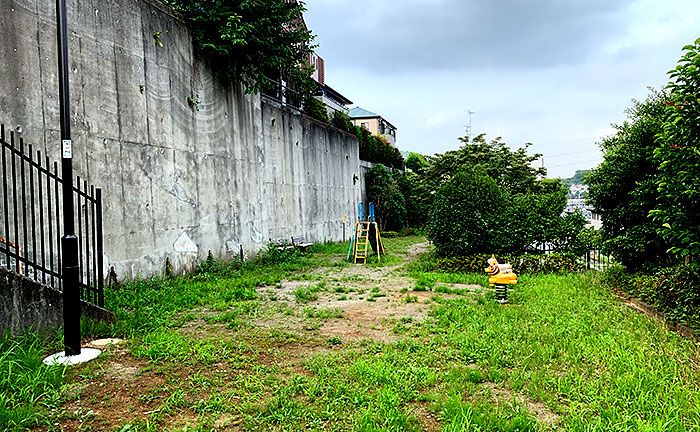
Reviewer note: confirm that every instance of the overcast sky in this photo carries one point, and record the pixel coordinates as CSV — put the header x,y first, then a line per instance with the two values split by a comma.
x,y
556,73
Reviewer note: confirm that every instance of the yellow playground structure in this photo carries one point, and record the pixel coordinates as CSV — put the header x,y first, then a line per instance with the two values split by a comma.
x,y
501,276
366,234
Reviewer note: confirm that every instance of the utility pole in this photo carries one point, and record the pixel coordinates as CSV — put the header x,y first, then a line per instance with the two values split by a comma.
x,y
69,242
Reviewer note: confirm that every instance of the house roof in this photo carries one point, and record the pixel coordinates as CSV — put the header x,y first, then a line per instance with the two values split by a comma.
x,y
358,112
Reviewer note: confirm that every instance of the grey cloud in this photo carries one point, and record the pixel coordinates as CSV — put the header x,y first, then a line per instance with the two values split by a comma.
x,y
453,34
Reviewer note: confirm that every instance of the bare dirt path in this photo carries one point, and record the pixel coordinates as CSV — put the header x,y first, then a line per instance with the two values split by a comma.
x,y
366,301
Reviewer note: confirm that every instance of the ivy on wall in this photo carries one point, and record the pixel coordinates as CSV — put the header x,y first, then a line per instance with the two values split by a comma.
x,y
250,39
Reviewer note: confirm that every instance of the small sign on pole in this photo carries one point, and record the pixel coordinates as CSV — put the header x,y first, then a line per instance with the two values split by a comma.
x,y
67,149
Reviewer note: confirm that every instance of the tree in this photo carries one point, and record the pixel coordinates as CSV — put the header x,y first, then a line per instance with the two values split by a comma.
x,y
409,185
250,39
416,161
389,203
488,199
678,159
472,214
623,188
463,219
512,170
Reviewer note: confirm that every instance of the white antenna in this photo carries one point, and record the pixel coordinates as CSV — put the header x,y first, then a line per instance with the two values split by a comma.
x,y
468,128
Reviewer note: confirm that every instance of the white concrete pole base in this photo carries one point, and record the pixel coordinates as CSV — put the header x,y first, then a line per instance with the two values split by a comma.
x,y
61,359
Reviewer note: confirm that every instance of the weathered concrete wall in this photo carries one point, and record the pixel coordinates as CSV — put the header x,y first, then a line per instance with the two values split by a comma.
x,y
178,178
26,304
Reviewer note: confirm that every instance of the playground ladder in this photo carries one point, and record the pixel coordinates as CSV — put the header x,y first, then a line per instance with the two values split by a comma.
x,y
362,242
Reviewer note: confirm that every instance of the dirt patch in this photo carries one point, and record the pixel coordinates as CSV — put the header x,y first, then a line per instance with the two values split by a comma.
x,y
371,300
428,420
418,249
372,320
109,392
538,409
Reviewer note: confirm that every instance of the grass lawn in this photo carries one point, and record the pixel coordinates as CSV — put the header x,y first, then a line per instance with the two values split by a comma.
x,y
313,343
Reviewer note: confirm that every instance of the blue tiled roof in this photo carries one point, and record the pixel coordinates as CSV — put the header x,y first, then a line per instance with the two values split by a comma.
x,y
358,112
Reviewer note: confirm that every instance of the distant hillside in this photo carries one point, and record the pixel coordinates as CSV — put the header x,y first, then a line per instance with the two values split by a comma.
x,y
576,186
577,178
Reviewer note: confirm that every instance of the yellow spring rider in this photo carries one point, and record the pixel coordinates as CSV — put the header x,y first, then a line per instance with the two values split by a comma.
x,y
501,276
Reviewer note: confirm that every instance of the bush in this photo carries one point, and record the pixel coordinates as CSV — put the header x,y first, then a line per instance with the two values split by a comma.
x,y
678,291
549,263
273,255
416,162
248,39
390,234
316,109
416,210
472,214
465,219
342,121
674,291
376,149
405,232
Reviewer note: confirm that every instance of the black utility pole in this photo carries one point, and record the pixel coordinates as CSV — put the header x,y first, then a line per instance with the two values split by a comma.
x,y
69,242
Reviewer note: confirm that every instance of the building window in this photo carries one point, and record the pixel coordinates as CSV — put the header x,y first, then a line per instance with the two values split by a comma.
x,y
364,125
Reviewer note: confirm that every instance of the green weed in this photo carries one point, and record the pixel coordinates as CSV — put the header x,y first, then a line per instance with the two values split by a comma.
x,y
29,390
306,294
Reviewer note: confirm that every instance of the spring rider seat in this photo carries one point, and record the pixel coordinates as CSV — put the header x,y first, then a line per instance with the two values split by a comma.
x,y
501,276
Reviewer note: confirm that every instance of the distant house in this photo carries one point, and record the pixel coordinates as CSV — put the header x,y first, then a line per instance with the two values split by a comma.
x,y
332,99
374,123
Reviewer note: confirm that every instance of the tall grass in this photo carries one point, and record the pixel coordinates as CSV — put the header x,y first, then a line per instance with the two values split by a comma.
x,y
28,388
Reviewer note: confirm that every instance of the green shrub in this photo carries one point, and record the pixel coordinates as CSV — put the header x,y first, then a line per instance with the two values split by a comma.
x,y
273,255
390,234
342,121
377,149
542,263
674,291
248,39
471,214
678,291
408,231
316,109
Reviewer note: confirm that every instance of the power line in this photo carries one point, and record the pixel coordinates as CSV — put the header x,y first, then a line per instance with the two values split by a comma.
x,y
572,153
572,139
575,163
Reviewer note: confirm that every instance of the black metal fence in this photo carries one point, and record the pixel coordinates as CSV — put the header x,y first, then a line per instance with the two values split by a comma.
x,y
284,94
593,259
30,220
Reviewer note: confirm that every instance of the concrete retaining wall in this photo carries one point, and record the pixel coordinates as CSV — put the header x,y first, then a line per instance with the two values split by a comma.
x,y
188,162
26,304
